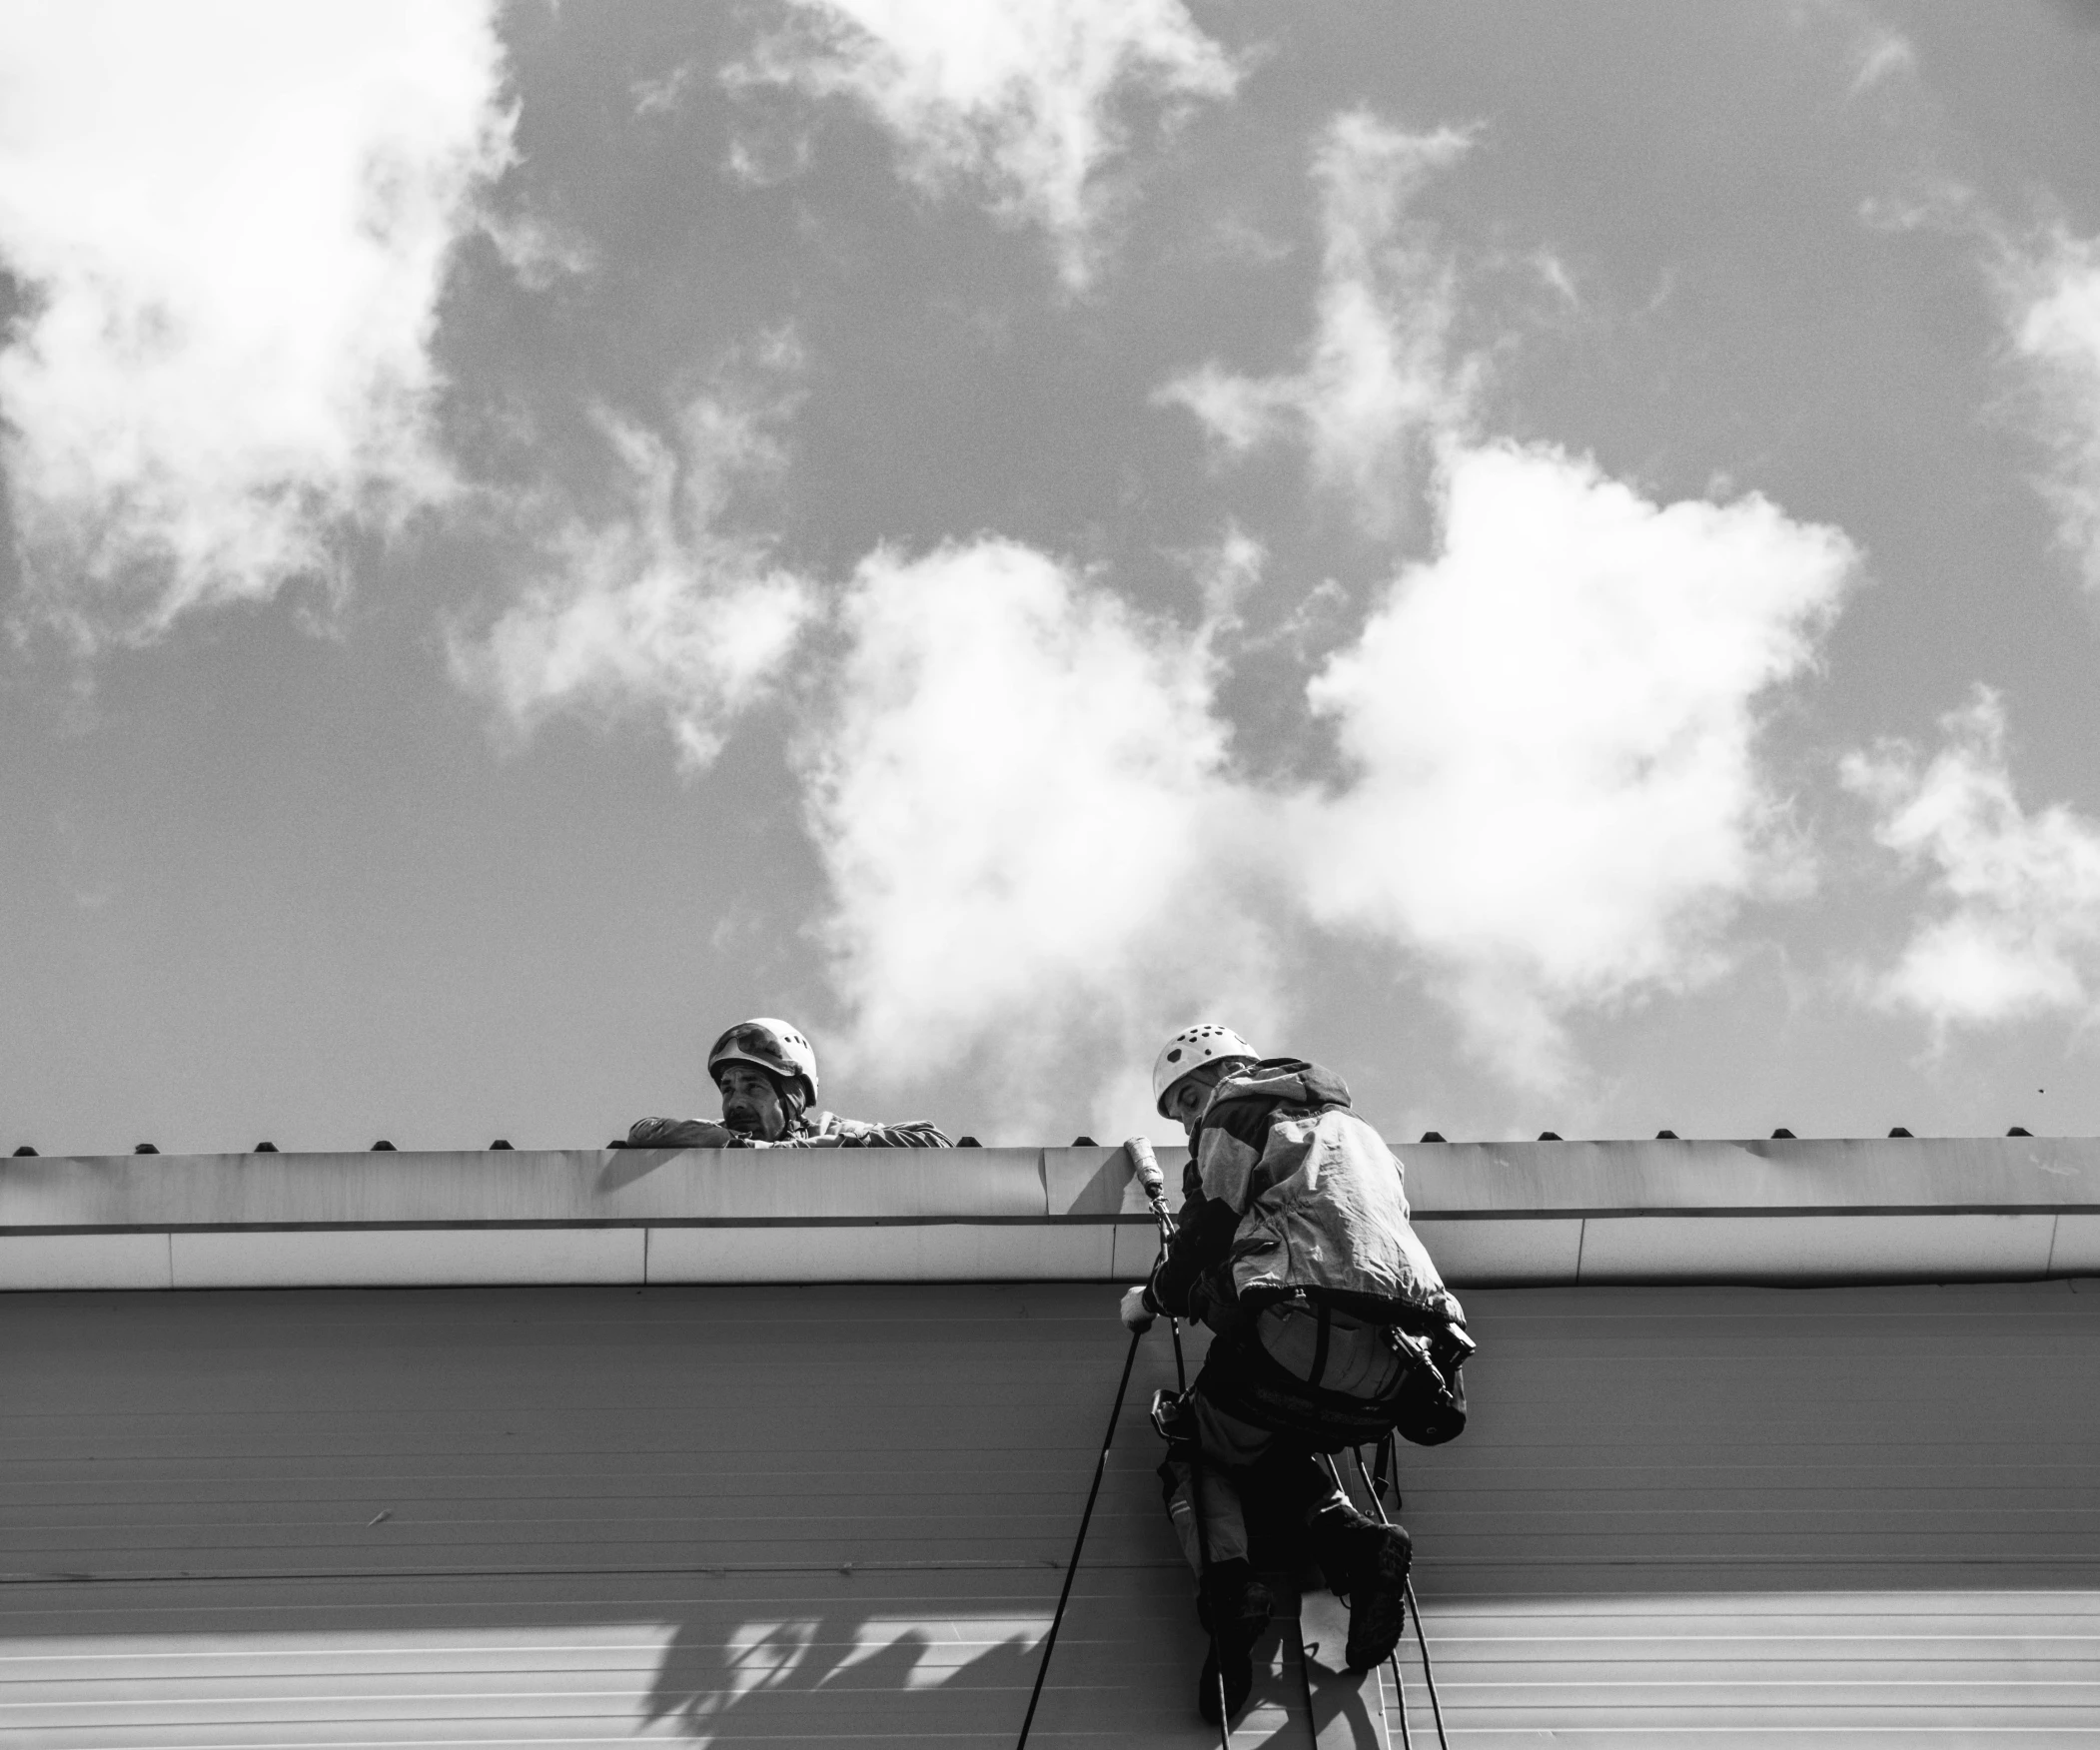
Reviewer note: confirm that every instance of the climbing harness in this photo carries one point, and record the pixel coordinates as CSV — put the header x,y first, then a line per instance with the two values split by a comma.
x,y
1148,1174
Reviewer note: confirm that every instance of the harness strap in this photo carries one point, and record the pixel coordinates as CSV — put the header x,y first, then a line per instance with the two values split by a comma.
x,y
1320,1344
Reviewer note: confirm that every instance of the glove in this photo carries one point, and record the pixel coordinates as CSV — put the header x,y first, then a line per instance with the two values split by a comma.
x,y
1136,1316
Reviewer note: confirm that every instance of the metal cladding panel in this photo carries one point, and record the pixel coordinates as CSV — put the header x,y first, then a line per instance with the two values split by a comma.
x,y
123,1260
566,1186
933,1251
1895,1173
262,1257
1807,1249
819,1516
661,1186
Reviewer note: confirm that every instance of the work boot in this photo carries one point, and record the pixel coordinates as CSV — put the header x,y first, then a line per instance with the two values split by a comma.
x,y
1366,1562
1378,1596
1235,1607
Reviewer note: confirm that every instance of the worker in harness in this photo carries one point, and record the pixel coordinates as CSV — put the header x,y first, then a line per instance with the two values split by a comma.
x,y
766,1070
1331,1329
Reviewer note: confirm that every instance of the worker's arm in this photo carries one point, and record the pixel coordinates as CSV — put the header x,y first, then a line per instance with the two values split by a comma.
x,y
833,1132
915,1134
680,1132
1194,1277
1182,1283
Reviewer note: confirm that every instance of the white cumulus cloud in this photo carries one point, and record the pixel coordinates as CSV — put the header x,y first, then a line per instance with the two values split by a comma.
x,y
1379,377
658,608
1019,96
2014,928
1555,799
2053,299
230,222
1035,851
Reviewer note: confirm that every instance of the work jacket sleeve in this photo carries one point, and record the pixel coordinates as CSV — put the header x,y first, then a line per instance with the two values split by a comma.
x,y
1192,1274
826,1130
1194,1279
677,1133
915,1134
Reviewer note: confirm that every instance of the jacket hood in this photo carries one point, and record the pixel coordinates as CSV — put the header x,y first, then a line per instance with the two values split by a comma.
x,y
1290,1081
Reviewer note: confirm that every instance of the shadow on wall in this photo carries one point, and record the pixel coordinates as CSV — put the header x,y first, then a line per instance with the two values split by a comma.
x,y
836,1676
1124,1674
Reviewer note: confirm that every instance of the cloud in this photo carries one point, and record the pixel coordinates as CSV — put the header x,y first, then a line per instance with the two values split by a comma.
x,y
230,224
659,609
1551,726
1552,797
1881,54
1380,377
2052,295
1036,853
2015,930
1020,97
1038,849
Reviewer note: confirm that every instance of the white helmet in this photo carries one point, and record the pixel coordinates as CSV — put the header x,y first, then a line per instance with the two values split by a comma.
x,y
1190,1049
772,1045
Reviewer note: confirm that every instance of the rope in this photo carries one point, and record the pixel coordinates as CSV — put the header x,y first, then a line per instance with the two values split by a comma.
x,y
1148,1174
1429,1671
1115,1416
1203,1534
1305,1678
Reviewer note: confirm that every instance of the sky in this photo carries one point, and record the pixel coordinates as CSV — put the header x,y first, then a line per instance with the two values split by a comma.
x,y
1546,558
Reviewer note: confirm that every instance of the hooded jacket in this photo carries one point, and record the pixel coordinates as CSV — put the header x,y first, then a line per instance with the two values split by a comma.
x,y
1289,1193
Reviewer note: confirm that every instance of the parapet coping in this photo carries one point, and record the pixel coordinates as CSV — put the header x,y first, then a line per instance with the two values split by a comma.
x,y
1789,1211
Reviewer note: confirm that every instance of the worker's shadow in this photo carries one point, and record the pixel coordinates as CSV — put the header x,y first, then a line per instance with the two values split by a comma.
x,y
731,1674
740,1670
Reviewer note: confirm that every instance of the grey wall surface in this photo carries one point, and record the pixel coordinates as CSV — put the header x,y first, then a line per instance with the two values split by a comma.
x,y
803,1516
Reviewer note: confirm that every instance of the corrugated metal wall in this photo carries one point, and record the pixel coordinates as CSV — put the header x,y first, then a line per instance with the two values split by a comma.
x,y
819,1516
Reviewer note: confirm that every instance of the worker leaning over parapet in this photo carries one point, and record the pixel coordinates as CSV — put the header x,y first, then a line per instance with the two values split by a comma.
x,y
766,1072
1331,1328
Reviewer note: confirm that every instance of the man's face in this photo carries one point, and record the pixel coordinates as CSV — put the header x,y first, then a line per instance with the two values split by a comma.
x,y
751,1104
1188,1096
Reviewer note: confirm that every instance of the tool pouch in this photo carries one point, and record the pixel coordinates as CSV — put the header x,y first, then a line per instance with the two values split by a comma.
x,y
1430,1404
